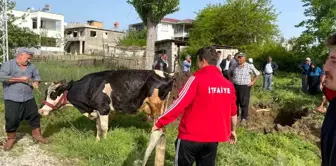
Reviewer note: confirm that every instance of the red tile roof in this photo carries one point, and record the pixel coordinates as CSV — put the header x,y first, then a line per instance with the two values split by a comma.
x,y
172,20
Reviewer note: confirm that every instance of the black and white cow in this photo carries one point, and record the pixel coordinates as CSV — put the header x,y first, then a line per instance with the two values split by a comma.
x,y
96,94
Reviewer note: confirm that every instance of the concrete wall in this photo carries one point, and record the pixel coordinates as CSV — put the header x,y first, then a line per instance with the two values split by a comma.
x,y
101,41
164,31
171,50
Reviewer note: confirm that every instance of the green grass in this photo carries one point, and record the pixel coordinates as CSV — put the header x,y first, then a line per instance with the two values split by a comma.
x,y
73,135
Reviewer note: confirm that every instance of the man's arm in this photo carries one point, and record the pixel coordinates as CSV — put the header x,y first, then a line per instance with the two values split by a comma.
x,y
36,77
186,64
186,96
275,66
233,137
6,77
256,74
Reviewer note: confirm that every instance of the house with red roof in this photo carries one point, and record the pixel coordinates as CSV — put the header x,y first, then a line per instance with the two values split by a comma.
x,y
168,29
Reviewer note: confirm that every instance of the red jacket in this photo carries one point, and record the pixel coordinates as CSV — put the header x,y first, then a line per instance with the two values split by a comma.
x,y
207,102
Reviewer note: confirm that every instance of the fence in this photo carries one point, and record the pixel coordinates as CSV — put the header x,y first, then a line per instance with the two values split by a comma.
x,y
88,61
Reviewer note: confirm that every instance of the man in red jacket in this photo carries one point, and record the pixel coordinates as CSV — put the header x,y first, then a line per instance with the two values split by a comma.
x,y
208,104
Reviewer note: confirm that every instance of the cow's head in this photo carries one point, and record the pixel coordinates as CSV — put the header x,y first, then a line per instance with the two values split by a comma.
x,y
55,97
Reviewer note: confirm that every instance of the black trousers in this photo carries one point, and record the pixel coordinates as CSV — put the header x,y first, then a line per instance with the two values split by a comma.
x,y
314,85
187,152
243,93
15,112
226,74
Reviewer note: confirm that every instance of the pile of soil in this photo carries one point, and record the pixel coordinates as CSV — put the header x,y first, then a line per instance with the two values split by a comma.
x,y
304,123
180,78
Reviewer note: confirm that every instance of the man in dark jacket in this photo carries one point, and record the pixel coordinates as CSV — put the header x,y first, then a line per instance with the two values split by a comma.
x,y
268,69
328,131
225,66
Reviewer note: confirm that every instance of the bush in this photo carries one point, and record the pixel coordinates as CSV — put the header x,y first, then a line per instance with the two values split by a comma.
x,y
134,38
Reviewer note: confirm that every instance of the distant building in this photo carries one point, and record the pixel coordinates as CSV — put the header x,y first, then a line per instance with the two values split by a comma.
x,y
169,29
43,22
90,38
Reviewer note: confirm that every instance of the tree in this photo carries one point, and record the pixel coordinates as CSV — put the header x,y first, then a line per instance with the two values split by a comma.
x,y
236,23
152,12
17,36
320,24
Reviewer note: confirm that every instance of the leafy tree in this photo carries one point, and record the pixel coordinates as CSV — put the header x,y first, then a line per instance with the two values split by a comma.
x,y
236,23
152,12
134,38
17,36
320,24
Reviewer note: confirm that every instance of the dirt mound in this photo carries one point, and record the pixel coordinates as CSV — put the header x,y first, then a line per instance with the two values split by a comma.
x,y
304,122
179,79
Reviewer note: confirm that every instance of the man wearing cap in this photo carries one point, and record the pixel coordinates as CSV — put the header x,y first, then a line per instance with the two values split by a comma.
x,y
207,103
16,75
305,71
240,75
268,69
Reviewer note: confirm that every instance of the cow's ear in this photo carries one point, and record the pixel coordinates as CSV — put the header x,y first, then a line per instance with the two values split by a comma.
x,y
67,86
63,82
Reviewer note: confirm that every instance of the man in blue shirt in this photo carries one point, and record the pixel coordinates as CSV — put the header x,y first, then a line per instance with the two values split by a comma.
x,y
20,104
305,70
187,64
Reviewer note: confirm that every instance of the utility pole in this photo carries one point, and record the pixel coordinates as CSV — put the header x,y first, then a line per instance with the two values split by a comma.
x,y
4,30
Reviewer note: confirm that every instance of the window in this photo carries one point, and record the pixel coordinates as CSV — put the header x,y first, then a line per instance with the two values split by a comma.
x,y
34,23
93,34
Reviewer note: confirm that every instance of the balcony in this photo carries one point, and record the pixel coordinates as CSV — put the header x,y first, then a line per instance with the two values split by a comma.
x,y
78,38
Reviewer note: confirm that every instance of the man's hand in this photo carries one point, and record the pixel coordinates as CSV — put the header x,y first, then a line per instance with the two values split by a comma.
x,y
251,84
155,128
36,85
233,137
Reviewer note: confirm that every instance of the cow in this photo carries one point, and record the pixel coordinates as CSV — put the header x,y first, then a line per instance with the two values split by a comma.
x,y
96,94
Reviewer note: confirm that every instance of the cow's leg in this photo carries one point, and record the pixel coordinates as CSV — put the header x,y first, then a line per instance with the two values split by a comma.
x,y
98,126
92,116
104,125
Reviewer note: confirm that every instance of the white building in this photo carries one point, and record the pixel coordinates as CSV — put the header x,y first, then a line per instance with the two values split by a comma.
x,y
169,29
45,24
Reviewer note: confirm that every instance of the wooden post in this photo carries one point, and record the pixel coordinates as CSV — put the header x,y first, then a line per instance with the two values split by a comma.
x,y
161,145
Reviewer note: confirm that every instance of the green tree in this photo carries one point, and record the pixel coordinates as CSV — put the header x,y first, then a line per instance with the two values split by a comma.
x,y
320,24
17,36
152,12
134,38
236,23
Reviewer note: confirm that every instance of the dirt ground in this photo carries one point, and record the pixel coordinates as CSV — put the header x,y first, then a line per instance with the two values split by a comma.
x,y
305,123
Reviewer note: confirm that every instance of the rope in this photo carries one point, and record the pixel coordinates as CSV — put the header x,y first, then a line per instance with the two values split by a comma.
x,y
64,117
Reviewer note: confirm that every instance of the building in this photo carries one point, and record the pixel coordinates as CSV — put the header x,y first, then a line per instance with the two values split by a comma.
x,y
90,38
168,29
49,26
172,48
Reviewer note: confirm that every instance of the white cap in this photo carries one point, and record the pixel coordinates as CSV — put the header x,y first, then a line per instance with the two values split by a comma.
x,y
308,59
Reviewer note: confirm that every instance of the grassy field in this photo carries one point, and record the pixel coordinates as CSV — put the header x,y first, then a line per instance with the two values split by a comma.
x,y
73,135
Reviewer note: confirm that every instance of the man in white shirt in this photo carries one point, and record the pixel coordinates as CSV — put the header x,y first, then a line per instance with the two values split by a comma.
x,y
224,65
268,71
